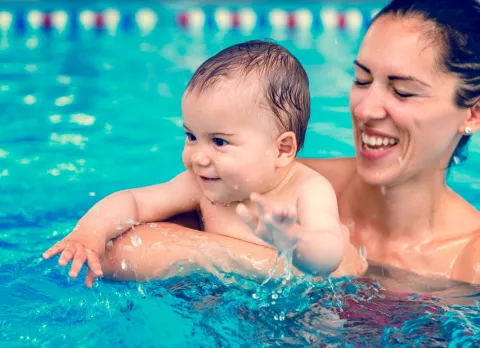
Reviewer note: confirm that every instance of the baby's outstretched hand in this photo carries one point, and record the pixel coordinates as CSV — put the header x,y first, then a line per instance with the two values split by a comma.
x,y
80,248
272,223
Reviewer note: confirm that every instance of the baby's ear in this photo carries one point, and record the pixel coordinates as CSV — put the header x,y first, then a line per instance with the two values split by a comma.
x,y
286,148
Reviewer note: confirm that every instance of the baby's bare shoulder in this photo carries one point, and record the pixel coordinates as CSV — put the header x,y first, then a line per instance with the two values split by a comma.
x,y
308,177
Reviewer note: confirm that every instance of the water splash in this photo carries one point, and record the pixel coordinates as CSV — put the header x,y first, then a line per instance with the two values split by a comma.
x,y
136,240
363,253
125,265
383,190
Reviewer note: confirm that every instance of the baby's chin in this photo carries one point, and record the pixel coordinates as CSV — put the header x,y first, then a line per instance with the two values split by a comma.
x,y
225,201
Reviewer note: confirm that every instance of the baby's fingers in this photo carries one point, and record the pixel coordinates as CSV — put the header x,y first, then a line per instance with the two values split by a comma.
x,y
54,250
90,278
246,216
260,202
78,261
285,216
67,254
94,263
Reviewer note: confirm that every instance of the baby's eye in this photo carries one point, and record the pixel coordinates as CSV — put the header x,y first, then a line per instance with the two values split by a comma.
x,y
219,142
190,136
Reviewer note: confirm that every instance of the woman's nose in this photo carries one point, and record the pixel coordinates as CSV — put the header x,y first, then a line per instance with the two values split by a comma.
x,y
371,106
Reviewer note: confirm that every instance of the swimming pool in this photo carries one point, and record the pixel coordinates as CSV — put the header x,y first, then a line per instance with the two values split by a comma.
x,y
90,104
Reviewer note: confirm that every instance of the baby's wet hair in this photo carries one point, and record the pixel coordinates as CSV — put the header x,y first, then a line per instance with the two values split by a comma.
x,y
280,75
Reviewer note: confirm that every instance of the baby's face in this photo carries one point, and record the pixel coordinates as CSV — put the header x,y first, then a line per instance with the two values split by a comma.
x,y
230,144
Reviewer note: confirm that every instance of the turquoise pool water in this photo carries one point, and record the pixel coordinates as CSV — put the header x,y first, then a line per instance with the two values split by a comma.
x,y
88,112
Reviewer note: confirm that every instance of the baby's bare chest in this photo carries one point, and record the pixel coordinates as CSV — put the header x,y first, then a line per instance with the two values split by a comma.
x,y
224,220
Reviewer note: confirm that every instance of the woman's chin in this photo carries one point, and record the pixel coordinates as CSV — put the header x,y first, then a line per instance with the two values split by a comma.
x,y
381,177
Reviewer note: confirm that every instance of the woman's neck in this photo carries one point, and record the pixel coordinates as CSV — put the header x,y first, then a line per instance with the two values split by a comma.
x,y
410,211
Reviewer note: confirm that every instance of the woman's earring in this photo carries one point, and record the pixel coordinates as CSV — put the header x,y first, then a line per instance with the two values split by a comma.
x,y
468,130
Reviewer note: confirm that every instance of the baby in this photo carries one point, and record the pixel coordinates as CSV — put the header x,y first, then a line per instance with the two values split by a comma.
x,y
245,113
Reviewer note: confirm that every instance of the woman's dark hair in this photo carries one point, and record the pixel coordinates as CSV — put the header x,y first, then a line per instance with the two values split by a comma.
x,y
455,27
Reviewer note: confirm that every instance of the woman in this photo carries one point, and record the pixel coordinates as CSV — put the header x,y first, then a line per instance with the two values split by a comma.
x,y
415,104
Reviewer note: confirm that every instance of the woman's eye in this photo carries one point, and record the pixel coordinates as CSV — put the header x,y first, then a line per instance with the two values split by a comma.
x,y
403,95
190,136
358,82
219,142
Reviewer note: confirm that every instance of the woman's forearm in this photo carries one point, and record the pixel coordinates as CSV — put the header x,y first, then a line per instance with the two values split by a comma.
x,y
167,249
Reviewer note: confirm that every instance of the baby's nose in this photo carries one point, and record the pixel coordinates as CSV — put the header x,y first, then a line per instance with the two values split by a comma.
x,y
199,158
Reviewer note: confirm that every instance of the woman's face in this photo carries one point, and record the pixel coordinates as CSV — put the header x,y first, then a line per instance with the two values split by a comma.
x,y
406,123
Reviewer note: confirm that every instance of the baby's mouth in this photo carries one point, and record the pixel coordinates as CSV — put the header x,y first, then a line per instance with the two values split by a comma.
x,y
377,142
206,178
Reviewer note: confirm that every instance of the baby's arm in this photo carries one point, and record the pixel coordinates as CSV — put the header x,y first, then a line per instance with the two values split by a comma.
x,y
321,243
310,226
115,214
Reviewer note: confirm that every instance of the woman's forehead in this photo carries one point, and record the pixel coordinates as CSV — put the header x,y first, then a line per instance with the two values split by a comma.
x,y
400,46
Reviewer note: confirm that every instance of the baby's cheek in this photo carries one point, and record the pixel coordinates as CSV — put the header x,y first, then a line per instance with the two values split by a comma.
x,y
186,158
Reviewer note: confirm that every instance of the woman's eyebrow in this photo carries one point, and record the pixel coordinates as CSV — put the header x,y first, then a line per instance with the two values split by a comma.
x,y
393,77
407,78
361,66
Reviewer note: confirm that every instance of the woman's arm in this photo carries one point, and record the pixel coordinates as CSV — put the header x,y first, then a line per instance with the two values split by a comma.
x,y
169,249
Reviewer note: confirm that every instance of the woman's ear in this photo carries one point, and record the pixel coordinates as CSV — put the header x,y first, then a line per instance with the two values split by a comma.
x,y
286,148
472,123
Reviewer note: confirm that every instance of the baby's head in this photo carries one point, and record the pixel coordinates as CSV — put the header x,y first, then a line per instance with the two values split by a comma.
x,y
245,113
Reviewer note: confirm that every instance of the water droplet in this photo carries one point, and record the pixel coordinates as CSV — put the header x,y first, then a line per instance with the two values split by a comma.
x,y
125,264
136,240
141,291
274,296
255,296
130,221
363,253
152,225
109,244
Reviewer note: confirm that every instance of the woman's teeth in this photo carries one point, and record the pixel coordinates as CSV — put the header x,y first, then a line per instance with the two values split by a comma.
x,y
375,142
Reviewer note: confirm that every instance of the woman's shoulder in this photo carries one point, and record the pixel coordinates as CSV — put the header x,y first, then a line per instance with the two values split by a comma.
x,y
467,265
338,171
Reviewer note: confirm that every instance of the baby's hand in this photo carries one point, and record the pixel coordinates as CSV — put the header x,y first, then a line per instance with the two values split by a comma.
x,y
273,224
80,247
